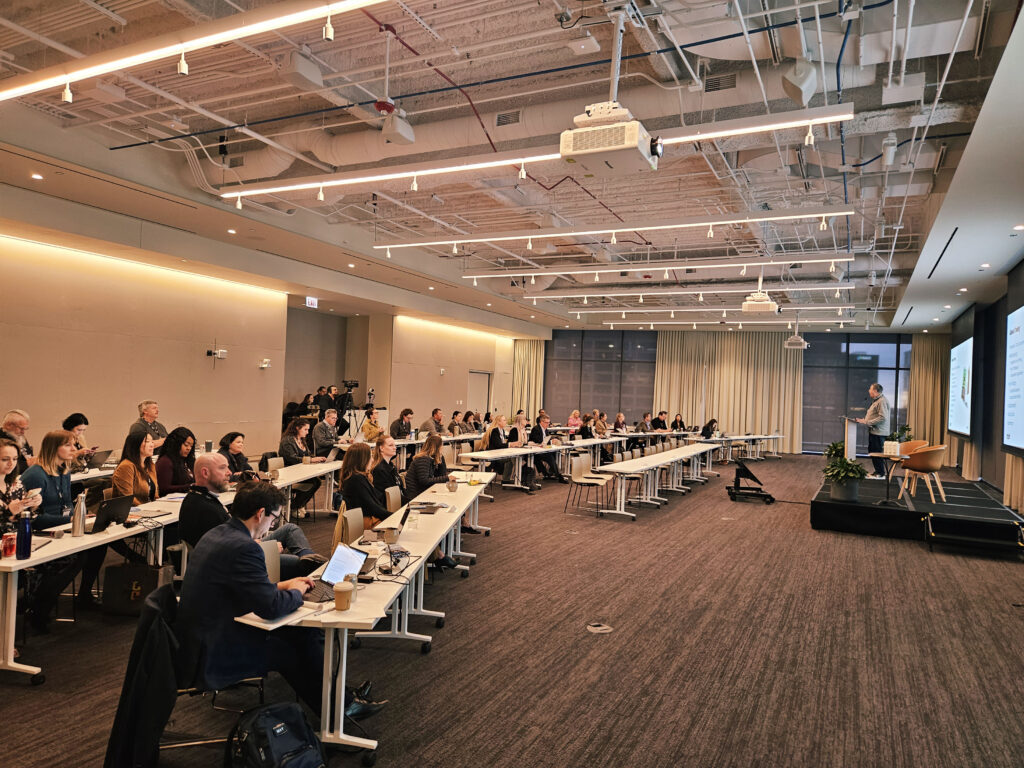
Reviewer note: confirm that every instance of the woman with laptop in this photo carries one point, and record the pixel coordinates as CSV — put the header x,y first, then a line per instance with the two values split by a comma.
x,y
174,468
135,475
357,485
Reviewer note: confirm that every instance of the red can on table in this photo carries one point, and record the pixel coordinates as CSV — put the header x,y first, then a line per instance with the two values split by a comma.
x,y
9,543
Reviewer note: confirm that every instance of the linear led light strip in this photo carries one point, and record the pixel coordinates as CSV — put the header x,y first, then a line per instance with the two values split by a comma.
x,y
740,321
696,291
228,29
801,308
711,222
655,267
743,126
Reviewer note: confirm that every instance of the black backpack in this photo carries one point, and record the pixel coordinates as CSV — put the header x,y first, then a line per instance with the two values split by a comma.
x,y
271,736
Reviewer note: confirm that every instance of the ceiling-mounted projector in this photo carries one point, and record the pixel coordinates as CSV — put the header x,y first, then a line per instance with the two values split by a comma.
x,y
796,341
609,142
759,301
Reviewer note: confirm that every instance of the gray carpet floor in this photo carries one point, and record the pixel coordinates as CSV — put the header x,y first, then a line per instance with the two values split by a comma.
x,y
741,638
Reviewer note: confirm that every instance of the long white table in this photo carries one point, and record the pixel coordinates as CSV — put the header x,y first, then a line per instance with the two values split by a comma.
x,y
300,473
400,594
53,549
516,456
92,474
650,467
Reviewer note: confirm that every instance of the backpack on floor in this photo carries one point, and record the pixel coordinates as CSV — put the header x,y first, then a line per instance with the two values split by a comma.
x,y
271,736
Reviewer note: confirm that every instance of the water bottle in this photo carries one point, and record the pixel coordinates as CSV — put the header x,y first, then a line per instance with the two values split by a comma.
x,y
24,543
78,516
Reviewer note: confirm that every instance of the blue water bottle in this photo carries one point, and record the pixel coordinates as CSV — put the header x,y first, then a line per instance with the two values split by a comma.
x,y
24,543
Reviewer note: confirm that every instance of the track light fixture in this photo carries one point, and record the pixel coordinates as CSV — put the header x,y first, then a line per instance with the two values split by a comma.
x,y
66,95
535,302
666,273
529,244
613,240
455,249
388,254
837,293
700,296
328,29
652,326
522,170
695,326
320,197
597,277
839,313
182,65
612,326
672,314
711,230
238,203
823,226
641,301
533,279
584,299
415,186
809,138
741,326
744,270
832,267
723,313
789,326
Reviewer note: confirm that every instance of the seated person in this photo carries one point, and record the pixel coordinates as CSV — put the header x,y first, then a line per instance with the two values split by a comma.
x,y
587,427
709,429
601,424
427,468
454,426
383,472
660,423
227,577
434,425
76,424
201,511
174,467
325,433
546,462
293,450
467,425
401,427
678,425
232,448
498,439
574,421
371,428
619,425
135,475
357,485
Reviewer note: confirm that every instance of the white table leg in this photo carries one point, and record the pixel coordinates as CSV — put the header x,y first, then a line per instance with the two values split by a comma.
x,y
399,620
417,608
332,726
8,620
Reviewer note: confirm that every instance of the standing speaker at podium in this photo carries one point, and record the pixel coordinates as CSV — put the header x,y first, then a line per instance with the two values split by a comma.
x,y
877,422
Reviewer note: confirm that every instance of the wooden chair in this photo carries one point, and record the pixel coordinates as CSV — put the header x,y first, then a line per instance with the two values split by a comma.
x,y
926,463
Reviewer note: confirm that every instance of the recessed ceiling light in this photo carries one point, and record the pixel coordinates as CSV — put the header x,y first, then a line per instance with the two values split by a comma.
x,y
1019,228
935,319
37,176
430,287
985,266
532,316
963,290
827,330
351,266
232,232
947,306
330,310
488,303
357,314
925,330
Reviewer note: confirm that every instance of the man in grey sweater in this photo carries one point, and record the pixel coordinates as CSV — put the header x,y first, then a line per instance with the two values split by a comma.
x,y
877,421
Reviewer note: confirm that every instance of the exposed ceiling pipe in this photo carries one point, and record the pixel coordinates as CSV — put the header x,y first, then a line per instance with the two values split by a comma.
x,y
924,133
906,41
892,44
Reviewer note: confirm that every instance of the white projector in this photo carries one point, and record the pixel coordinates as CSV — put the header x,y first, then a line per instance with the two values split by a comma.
x,y
759,301
617,149
796,341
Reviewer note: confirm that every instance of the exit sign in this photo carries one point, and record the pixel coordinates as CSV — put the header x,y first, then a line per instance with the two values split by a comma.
x,y
311,302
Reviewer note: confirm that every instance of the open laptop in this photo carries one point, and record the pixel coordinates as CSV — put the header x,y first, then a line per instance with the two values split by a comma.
x,y
112,512
98,459
344,561
401,523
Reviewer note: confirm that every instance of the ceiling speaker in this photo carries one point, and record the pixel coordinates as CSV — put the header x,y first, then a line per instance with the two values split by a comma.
x,y
800,81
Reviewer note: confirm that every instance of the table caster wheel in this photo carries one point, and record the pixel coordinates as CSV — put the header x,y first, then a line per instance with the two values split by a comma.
x,y
465,574
370,758
37,679
600,514
633,519
472,561
487,533
440,622
355,643
425,648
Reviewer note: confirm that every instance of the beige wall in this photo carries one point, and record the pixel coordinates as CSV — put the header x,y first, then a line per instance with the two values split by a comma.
x,y
420,349
80,332
315,352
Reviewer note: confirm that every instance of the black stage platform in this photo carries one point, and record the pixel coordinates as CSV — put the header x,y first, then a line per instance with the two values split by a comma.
x,y
969,516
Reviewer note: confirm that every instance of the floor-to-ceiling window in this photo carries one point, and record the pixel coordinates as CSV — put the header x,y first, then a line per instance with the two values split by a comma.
x,y
838,369
609,370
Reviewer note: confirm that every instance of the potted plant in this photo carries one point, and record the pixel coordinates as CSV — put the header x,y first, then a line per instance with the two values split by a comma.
x,y
891,446
844,476
835,450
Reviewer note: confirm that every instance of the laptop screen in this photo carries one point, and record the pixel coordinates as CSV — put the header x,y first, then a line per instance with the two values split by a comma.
x,y
344,561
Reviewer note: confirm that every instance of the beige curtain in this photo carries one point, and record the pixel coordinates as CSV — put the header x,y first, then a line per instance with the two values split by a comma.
x,y
1013,482
748,381
929,385
527,376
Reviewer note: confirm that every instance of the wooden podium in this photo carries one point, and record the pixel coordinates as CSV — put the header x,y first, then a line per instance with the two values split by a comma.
x,y
850,437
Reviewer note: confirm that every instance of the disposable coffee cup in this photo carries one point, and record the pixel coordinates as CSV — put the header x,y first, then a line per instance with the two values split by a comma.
x,y
305,459
391,535
343,595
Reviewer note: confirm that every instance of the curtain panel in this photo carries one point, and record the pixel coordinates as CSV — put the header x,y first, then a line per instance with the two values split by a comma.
x,y
929,388
527,376
748,381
